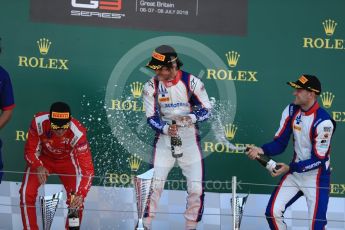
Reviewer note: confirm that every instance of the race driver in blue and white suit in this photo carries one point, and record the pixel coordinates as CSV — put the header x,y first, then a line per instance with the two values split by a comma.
x,y
176,95
308,174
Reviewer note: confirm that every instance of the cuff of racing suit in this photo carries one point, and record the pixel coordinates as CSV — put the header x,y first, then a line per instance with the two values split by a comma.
x,y
264,149
81,193
36,164
166,129
193,117
293,167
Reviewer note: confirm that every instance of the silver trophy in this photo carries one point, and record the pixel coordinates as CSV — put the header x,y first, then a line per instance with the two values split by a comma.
x,y
48,208
239,208
142,186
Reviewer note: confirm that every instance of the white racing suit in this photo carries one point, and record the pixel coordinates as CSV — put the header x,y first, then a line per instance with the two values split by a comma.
x,y
309,174
164,101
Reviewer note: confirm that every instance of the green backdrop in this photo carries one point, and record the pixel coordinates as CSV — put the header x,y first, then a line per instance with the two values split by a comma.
x,y
94,67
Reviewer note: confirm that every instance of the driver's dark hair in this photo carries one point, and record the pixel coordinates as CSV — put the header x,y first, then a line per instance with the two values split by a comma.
x,y
178,64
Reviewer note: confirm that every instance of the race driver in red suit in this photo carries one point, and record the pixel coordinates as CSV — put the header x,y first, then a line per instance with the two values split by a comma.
x,y
56,144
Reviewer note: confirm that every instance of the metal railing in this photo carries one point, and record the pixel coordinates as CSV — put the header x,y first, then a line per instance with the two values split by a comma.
x,y
232,185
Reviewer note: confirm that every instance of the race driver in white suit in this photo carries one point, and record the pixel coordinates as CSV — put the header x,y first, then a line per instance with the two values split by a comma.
x,y
176,95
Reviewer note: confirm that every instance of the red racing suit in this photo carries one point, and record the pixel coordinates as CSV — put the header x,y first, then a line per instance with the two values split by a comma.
x,y
68,156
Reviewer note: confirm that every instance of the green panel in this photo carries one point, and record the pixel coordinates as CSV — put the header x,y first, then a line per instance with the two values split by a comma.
x,y
103,62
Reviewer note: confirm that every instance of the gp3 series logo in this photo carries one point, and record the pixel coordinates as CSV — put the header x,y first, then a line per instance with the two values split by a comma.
x,y
95,8
114,5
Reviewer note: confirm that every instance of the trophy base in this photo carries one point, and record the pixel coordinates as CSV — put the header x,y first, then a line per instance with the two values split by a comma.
x,y
140,225
140,228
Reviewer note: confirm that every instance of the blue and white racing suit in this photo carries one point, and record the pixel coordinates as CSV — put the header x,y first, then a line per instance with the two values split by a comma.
x,y
309,174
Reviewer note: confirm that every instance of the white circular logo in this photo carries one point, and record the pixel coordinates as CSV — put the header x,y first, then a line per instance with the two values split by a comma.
x,y
127,126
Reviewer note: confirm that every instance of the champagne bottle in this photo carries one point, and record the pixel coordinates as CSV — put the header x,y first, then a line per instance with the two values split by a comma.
x,y
73,216
176,145
267,162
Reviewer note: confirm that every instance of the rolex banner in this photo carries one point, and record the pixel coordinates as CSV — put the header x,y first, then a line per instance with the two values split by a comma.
x,y
92,55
